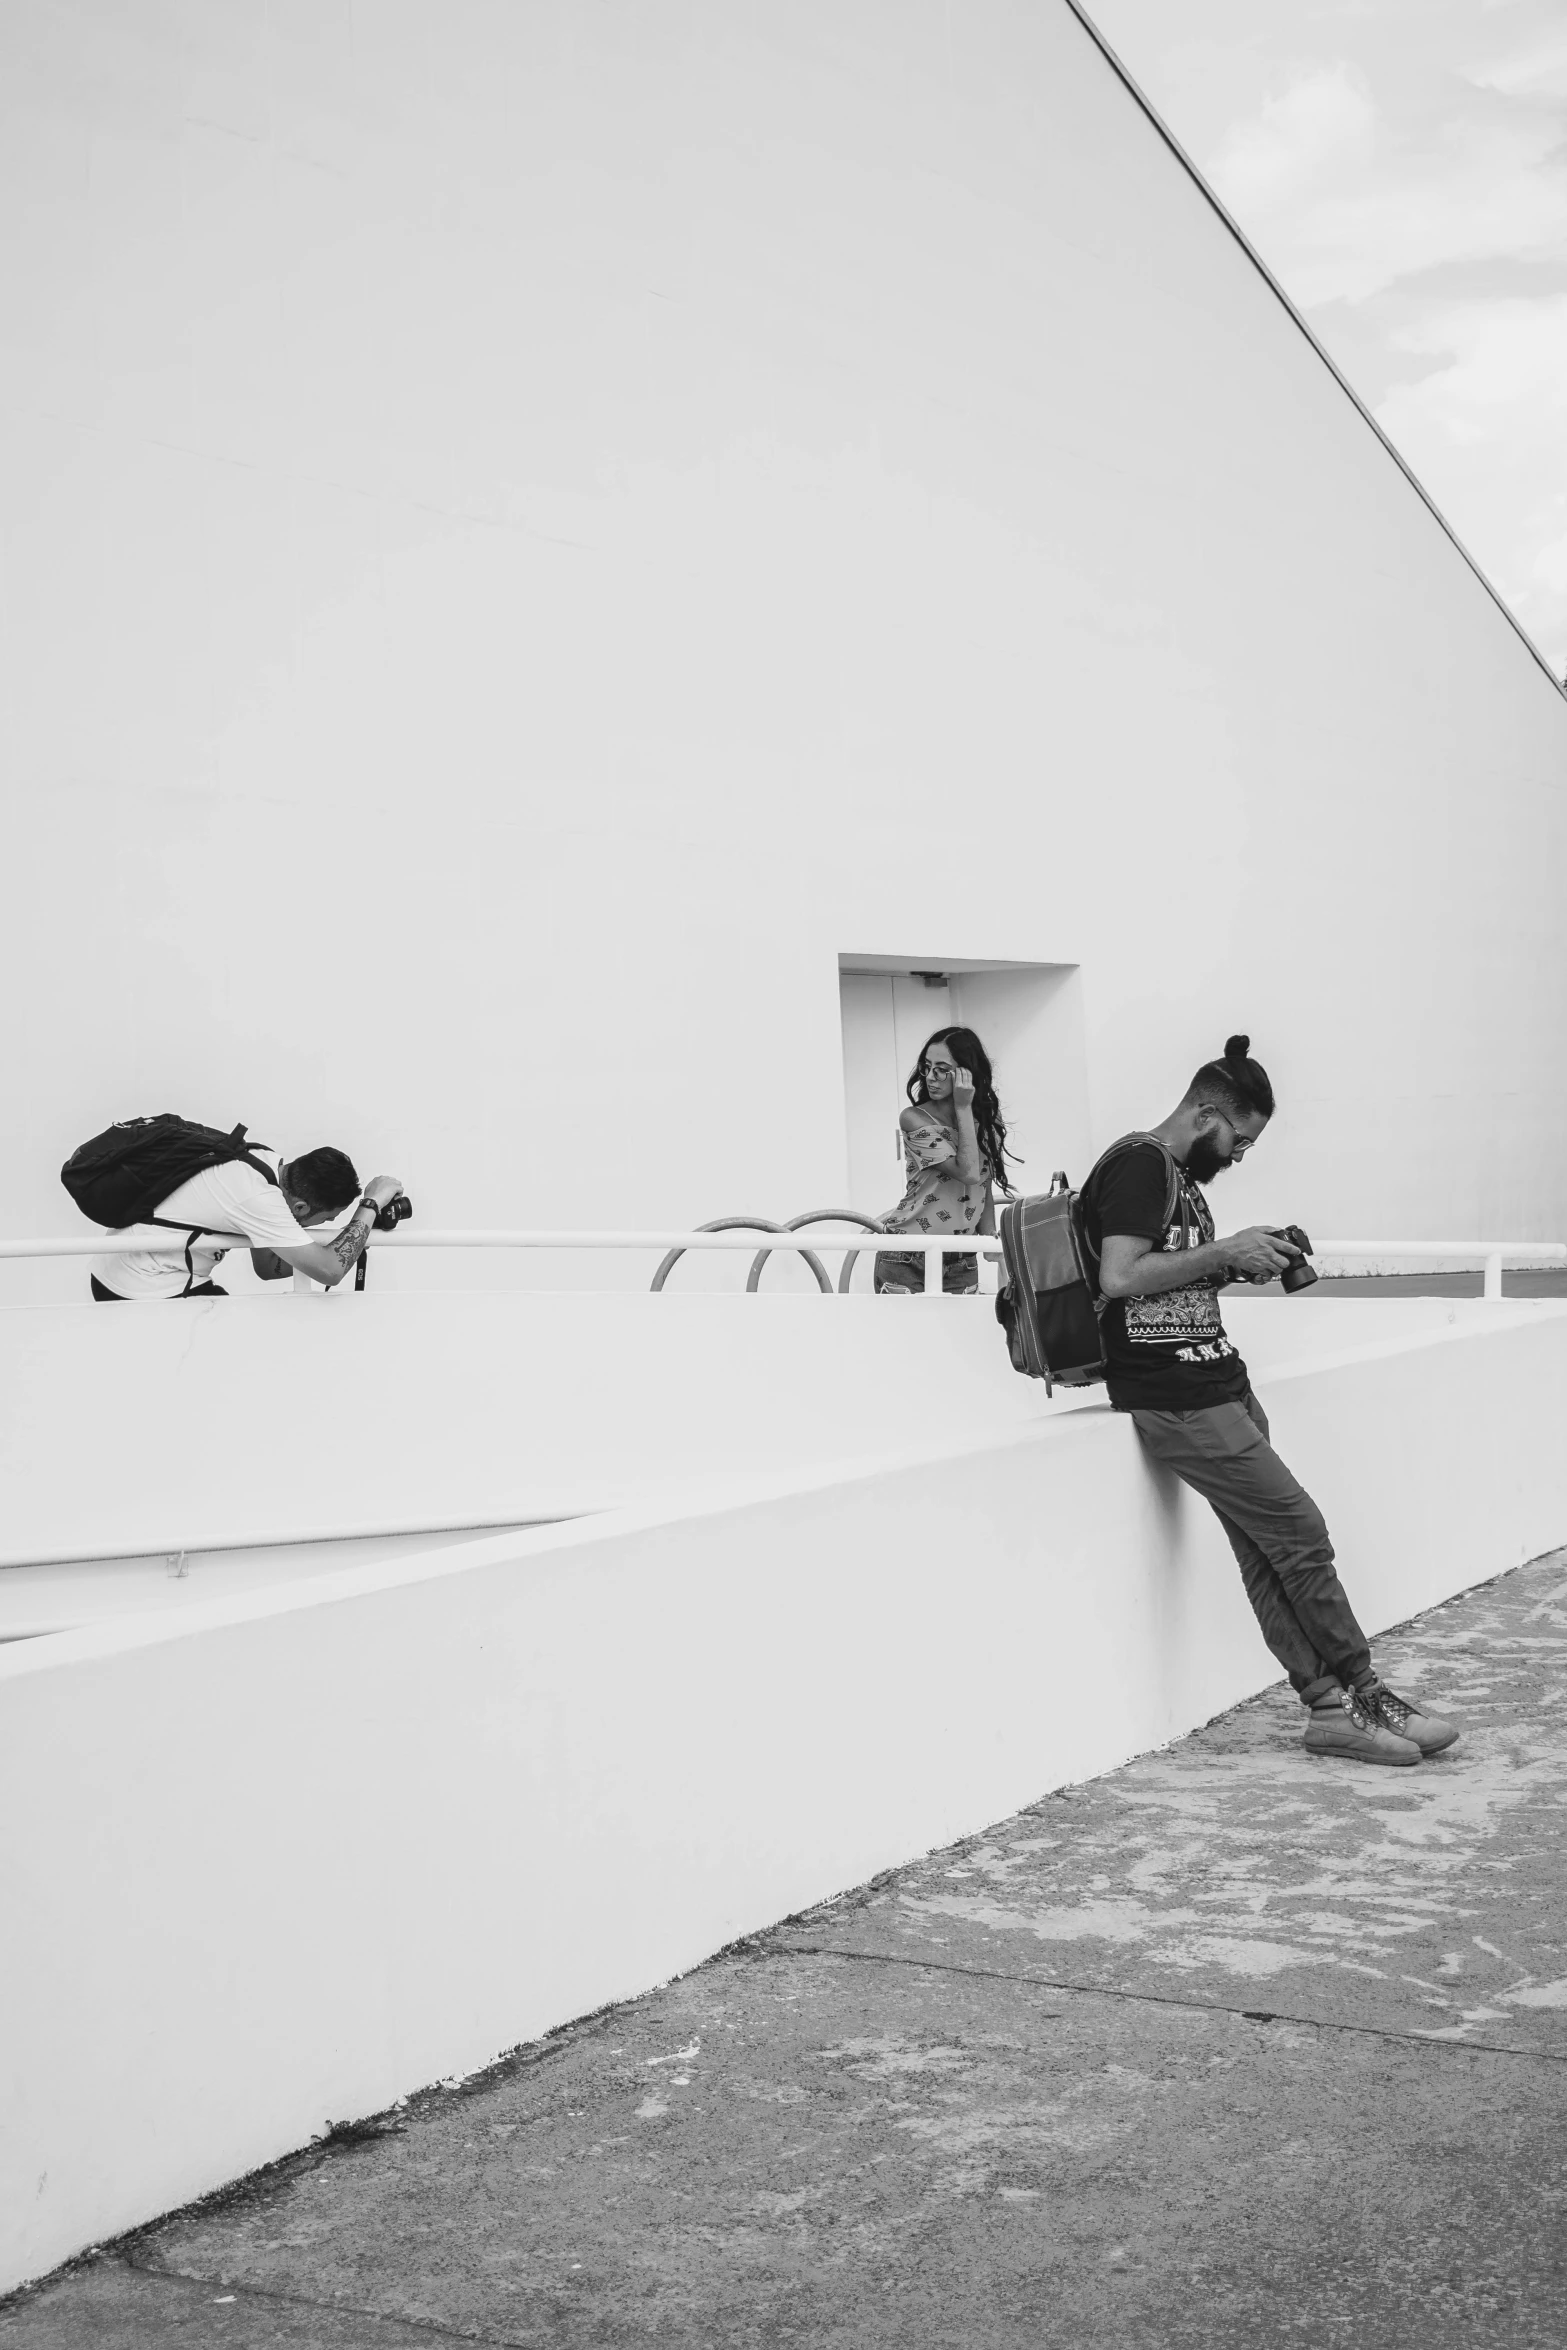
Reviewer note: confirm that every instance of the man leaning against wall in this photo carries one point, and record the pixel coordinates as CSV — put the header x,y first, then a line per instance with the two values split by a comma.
x,y
1172,1366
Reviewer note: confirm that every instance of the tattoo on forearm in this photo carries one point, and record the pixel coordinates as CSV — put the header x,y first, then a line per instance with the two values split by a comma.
x,y
350,1242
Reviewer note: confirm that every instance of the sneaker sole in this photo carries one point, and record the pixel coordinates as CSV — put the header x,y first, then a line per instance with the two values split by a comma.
x,y
1362,1754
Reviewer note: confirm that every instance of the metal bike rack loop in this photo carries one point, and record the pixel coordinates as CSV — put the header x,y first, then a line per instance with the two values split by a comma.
x,y
746,1224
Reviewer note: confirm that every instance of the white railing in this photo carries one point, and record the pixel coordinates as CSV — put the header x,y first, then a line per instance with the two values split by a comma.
x,y
1453,1255
758,1242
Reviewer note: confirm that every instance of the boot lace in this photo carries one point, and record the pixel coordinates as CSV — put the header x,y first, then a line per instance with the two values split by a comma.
x,y
1390,1711
1360,1707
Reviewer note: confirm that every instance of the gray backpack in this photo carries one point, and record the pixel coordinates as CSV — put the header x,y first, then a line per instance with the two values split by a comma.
x,y
1049,1304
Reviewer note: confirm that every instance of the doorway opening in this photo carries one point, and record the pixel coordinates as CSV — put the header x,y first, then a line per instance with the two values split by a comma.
x,y
1028,1016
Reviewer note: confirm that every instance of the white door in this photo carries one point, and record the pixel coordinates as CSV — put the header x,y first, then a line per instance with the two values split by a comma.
x,y
870,1091
886,1019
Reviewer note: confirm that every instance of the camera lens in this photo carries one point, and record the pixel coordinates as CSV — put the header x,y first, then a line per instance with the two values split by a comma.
x,y
1301,1276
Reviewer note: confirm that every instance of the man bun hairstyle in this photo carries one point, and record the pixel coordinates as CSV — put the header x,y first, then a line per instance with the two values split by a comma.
x,y
1235,1084
325,1180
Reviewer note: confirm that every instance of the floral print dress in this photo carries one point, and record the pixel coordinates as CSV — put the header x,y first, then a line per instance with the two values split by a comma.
x,y
937,1199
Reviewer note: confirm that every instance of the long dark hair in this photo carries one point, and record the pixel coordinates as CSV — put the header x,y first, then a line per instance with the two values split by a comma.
x,y
989,1125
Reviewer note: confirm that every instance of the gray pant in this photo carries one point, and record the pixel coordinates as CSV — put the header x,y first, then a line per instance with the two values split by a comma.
x,y
1278,1535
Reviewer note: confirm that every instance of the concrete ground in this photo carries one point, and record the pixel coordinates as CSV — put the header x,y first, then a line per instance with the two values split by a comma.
x,y
1229,2047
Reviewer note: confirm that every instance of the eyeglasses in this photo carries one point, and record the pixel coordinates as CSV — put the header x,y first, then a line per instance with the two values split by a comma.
x,y
937,1068
1240,1143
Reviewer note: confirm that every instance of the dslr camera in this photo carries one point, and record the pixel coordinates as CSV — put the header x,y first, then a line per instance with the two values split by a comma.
x,y
389,1217
1292,1278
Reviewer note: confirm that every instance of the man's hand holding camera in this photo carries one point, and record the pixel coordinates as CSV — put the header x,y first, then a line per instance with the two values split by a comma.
x,y
1258,1254
386,1195
384,1203
1261,1253
381,1208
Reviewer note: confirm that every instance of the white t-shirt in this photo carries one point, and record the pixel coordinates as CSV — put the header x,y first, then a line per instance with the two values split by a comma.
x,y
231,1199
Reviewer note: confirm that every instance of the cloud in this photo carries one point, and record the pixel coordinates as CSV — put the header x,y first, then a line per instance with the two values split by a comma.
x,y
1537,71
1342,202
1401,166
1489,425
1321,120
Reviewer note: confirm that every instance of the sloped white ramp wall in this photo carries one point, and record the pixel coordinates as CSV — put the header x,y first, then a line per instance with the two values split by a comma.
x,y
292,1855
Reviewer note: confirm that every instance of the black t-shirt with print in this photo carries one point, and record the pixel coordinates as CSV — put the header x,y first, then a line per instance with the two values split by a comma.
x,y
1168,1352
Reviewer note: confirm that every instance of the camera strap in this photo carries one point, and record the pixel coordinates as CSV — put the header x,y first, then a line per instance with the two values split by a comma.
x,y
363,1264
385,1221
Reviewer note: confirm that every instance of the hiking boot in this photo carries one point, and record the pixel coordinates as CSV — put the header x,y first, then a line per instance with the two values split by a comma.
x,y
1342,1723
1406,1717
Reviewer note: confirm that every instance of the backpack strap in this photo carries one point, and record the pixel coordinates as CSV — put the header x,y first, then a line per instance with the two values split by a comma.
x,y
247,1152
196,1231
1174,1195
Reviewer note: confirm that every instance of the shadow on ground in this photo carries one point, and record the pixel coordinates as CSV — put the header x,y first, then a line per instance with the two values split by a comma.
x,y
1229,2047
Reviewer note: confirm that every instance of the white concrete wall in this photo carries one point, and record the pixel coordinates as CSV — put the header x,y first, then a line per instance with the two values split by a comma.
x,y
225,1424
548,518
283,1858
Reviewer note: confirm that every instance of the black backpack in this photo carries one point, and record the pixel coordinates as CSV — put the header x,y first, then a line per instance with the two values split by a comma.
x,y
124,1174
1049,1304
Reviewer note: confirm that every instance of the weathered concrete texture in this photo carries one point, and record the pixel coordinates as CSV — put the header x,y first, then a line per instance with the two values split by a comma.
x,y
1231,1870
1230,2047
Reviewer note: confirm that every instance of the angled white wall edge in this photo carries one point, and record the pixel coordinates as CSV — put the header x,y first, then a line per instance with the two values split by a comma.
x,y
590,1701
1211,196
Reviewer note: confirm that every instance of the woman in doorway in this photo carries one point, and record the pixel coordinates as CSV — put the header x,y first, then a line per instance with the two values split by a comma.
x,y
955,1146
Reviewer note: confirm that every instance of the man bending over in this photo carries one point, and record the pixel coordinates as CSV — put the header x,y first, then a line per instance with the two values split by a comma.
x,y
1171,1365
266,1200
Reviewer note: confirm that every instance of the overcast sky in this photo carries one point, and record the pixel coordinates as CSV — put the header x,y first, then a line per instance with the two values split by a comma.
x,y
1401,166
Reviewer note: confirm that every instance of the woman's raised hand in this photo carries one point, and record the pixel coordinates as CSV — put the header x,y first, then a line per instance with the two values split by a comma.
x,y
962,1090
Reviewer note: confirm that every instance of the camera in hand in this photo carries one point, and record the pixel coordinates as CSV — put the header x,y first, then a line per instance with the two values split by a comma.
x,y
388,1218
1299,1276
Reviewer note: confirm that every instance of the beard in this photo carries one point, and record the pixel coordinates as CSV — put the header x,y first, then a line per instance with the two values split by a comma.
x,y
1203,1160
